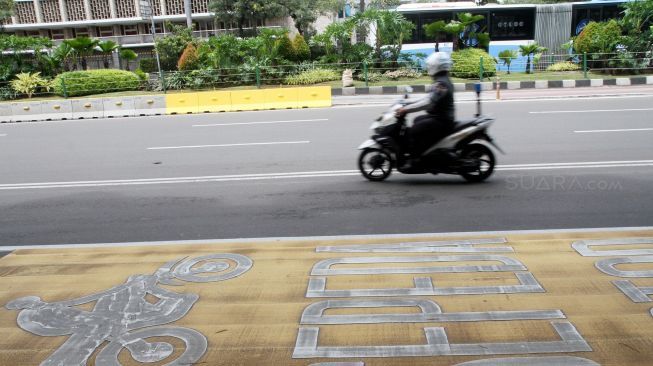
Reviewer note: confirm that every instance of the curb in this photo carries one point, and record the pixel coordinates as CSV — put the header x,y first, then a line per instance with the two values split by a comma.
x,y
504,85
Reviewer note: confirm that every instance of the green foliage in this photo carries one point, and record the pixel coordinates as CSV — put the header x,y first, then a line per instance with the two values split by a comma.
x,y
563,66
83,47
172,45
19,43
437,31
29,83
467,63
598,37
242,11
372,76
286,48
506,56
6,9
302,51
314,76
189,59
106,47
7,93
147,65
530,50
141,74
95,82
127,55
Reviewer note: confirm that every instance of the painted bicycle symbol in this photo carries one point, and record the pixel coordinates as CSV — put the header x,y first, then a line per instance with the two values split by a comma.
x,y
128,314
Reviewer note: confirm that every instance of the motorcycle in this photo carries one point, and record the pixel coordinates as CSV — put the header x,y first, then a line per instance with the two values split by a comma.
x,y
465,151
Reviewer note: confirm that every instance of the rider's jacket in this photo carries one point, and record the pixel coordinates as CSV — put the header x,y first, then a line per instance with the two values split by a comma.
x,y
439,103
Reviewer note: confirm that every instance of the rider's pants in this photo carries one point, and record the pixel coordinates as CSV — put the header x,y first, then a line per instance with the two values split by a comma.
x,y
425,132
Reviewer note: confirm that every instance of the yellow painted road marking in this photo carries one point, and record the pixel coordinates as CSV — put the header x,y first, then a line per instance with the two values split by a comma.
x,y
255,318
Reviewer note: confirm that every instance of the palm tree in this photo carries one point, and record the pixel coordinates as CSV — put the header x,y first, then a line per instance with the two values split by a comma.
x,y
529,50
63,54
83,47
128,55
507,56
107,47
436,30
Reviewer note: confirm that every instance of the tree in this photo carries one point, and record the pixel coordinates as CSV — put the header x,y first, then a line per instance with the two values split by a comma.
x,y
506,56
243,11
286,48
189,59
6,10
128,55
528,51
637,23
392,30
384,4
106,48
436,31
302,51
172,45
83,47
63,54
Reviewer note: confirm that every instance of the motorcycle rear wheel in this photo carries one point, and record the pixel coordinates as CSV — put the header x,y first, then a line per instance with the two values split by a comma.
x,y
486,162
375,164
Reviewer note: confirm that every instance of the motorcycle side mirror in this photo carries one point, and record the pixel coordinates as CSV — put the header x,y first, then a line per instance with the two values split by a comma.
x,y
408,91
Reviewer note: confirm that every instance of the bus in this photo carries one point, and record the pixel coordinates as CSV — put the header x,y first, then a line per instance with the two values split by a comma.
x,y
509,26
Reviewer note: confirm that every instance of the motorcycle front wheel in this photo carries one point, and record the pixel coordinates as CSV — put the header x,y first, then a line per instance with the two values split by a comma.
x,y
486,162
375,164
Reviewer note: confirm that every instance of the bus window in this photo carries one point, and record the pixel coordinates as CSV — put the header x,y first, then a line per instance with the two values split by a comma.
x,y
509,25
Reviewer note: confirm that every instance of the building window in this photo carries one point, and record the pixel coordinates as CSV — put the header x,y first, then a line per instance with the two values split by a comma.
x,y
50,9
100,9
33,33
81,32
57,34
75,9
125,8
25,12
104,31
200,6
509,25
175,7
129,30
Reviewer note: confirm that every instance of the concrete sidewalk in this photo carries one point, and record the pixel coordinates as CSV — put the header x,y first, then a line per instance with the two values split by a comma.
x,y
565,297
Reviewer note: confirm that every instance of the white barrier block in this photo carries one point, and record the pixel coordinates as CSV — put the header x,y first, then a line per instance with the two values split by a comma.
x,y
511,85
541,84
118,107
5,112
569,83
87,108
596,82
623,81
26,111
56,110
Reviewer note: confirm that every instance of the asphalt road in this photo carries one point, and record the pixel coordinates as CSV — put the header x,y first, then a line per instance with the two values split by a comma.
x,y
570,163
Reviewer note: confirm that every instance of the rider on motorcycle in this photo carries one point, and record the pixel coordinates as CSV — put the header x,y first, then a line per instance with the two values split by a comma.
x,y
439,106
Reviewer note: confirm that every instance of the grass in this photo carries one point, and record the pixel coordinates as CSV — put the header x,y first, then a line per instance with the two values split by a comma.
x,y
423,80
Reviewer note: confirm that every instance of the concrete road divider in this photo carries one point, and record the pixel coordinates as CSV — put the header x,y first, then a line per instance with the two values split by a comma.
x,y
87,108
149,105
282,98
57,110
315,96
119,107
182,103
248,100
5,112
26,111
214,101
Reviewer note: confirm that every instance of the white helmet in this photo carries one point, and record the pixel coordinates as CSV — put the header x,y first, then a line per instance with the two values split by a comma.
x,y
438,61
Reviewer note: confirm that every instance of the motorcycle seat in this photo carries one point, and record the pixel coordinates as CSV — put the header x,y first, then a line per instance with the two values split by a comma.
x,y
462,124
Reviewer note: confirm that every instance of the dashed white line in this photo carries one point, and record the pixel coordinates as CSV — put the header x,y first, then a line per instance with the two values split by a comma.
x,y
262,122
595,111
228,145
618,130
3,134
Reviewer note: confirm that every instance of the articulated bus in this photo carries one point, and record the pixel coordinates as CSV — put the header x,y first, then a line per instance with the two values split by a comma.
x,y
510,26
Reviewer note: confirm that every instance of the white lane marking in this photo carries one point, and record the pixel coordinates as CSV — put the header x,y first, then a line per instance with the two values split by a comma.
x,y
3,134
262,122
619,130
228,145
276,240
596,111
313,174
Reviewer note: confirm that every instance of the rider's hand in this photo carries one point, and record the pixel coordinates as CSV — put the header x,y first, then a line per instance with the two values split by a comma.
x,y
400,113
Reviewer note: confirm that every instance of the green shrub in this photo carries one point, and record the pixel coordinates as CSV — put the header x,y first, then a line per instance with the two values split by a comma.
x,y
467,63
141,74
402,74
95,82
598,37
7,93
372,76
148,65
302,51
315,76
563,66
286,49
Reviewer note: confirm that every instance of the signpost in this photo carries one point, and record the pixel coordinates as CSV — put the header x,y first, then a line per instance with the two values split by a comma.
x,y
148,14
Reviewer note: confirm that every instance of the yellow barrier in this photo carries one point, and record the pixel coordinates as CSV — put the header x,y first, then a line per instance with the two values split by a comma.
x,y
214,101
247,100
181,103
314,96
282,98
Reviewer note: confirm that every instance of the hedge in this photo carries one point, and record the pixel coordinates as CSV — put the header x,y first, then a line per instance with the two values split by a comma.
x,y
148,65
314,76
95,82
467,63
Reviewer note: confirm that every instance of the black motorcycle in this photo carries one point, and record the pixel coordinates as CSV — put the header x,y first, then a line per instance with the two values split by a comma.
x,y
465,151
